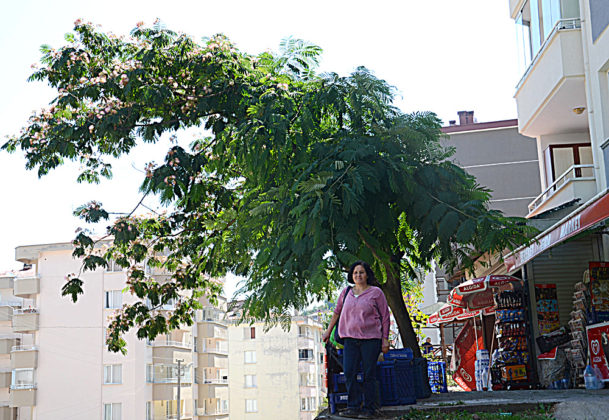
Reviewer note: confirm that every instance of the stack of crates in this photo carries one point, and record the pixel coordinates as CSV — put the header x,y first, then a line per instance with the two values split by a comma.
x,y
437,377
395,376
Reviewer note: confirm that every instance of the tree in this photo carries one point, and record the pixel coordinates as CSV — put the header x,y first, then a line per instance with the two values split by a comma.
x,y
301,174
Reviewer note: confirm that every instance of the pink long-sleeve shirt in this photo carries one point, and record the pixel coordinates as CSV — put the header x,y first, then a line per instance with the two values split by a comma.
x,y
365,316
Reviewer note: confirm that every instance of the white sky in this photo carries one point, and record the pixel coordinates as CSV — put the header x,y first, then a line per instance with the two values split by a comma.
x,y
442,55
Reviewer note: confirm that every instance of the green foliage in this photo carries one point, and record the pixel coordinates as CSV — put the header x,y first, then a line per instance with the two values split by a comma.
x,y
300,174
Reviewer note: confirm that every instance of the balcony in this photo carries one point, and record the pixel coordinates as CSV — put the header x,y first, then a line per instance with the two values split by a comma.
x,y
6,310
554,84
169,391
5,379
23,397
6,281
576,182
213,345
212,330
7,343
213,406
212,360
7,412
211,314
202,412
24,357
26,287
25,320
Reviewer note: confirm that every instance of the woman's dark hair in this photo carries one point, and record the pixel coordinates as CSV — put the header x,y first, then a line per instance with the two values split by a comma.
x,y
371,278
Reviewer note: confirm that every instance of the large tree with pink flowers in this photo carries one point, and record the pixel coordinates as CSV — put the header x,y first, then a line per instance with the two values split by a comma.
x,y
300,175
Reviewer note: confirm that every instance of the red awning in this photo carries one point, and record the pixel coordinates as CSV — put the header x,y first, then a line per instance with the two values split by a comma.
x,y
577,223
477,294
450,313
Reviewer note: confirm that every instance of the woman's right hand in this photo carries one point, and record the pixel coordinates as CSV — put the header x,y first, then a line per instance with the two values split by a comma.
x,y
325,336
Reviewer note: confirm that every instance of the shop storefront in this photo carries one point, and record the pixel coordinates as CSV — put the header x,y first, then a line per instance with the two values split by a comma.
x,y
568,293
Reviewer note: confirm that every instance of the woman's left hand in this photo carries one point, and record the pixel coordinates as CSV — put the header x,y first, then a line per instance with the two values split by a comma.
x,y
385,345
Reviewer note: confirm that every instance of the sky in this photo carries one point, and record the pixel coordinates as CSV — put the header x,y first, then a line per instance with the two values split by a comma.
x,y
441,55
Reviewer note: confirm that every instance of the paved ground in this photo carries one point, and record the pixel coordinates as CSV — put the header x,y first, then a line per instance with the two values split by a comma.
x,y
568,404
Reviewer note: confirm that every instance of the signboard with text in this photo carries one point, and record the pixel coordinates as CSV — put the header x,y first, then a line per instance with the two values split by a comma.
x,y
598,347
589,216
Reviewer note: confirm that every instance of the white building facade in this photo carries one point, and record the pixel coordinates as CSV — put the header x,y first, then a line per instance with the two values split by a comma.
x,y
54,350
276,374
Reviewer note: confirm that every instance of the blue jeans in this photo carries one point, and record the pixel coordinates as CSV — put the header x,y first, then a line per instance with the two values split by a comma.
x,y
366,352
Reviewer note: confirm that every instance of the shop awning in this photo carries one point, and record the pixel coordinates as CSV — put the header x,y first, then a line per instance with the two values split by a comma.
x,y
477,293
450,313
586,217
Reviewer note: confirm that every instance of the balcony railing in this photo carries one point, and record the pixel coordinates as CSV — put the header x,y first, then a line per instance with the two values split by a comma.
x,y
215,349
186,379
25,311
23,386
204,412
169,343
24,348
214,381
11,303
561,25
574,173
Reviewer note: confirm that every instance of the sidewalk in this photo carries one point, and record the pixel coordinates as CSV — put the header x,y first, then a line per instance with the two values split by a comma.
x,y
568,404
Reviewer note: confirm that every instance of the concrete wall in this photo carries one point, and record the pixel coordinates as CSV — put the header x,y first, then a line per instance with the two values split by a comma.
x,y
503,161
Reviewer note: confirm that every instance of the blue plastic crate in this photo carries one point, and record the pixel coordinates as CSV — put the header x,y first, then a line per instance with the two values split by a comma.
x,y
396,382
337,399
437,377
421,381
340,378
395,354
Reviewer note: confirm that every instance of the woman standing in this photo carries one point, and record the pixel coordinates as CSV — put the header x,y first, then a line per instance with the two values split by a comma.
x,y
364,324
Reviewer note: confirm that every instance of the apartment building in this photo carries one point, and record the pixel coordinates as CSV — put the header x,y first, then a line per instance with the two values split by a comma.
x,y
54,363
502,160
276,374
563,101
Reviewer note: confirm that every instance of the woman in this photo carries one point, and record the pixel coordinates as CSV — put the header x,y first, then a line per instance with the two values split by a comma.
x,y
364,324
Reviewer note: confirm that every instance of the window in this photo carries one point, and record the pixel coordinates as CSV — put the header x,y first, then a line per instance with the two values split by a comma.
x,y
251,406
321,358
113,267
170,305
149,410
304,331
149,373
112,411
23,379
250,357
194,345
559,158
113,299
307,379
250,381
305,354
307,404
113,374
249,333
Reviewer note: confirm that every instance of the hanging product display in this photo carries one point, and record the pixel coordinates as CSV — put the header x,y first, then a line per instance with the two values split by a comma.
x,y
510,362
547,307
577,350
599,291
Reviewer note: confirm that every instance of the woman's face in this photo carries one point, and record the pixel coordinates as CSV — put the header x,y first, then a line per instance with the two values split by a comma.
x,y
359,275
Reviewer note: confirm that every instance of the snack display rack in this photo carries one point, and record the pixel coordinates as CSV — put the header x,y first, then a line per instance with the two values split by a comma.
x,y
511,362
577,349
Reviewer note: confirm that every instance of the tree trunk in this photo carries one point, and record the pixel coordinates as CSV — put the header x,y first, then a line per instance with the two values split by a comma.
x,y
393,293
